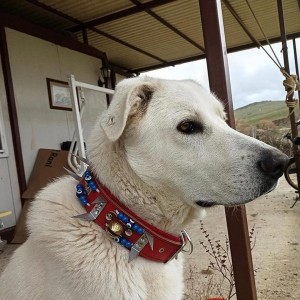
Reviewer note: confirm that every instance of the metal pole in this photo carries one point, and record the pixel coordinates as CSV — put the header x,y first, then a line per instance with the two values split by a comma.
x,y
296,62
290,98
217,65
78,125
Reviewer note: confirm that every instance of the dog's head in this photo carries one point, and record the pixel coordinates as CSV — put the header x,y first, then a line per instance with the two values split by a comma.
x,y
176,138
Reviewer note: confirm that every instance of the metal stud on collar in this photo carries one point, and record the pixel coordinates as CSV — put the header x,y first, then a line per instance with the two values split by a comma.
x,y
139,245
95,212
83,189
121,226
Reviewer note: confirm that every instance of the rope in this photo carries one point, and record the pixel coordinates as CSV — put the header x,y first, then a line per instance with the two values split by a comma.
x,y
291,82
291,104
278,64
291,85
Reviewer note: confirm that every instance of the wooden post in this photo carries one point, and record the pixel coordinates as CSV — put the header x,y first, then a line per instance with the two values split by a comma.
x,y
296,63
109,79
12,110
291,97
217,65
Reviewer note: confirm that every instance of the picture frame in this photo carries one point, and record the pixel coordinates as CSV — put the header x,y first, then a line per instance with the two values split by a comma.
x,y
59,94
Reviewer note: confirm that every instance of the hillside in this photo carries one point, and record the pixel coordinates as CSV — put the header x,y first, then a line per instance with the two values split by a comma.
x,y
265,110
267,121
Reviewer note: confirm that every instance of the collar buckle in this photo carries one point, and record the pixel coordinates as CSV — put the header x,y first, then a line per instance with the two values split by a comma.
x,y
185,239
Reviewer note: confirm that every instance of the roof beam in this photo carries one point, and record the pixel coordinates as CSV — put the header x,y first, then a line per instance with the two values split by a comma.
x,y
62,15
239,20
168,64
167,24
53,10
98,31
109,36
46,34
202,56
49,35
120,14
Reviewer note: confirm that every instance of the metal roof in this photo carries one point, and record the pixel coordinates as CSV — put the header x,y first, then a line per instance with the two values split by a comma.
x,y
141,35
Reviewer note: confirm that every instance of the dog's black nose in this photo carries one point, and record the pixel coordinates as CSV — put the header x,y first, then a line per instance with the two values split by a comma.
x,y
273,163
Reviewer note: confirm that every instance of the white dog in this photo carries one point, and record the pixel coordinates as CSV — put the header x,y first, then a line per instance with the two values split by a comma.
x,y
164,150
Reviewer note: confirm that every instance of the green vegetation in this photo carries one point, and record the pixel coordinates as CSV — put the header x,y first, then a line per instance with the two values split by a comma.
x,y
265,110
267,121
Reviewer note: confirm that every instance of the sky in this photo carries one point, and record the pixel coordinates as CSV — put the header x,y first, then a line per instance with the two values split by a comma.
x,y
253,75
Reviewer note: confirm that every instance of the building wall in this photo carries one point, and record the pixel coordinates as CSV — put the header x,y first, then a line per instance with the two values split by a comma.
x,y
32,60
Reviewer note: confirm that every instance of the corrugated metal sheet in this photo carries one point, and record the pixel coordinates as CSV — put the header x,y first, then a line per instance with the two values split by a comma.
x,y
86,10
34,14
146,33
267,15
185,16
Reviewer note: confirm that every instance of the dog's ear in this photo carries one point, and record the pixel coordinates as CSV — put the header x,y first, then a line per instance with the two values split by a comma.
x,y
128,100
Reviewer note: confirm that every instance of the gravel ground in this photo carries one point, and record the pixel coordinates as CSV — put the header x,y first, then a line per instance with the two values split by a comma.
x,y
276,254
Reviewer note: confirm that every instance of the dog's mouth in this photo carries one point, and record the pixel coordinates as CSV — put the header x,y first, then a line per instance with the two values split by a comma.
x,y
205,203
265,188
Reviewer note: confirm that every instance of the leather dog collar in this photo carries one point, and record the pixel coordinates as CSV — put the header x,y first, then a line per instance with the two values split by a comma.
x,y
124,226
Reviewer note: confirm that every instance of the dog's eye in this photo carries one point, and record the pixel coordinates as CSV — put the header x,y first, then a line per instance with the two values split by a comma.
x,y
189,127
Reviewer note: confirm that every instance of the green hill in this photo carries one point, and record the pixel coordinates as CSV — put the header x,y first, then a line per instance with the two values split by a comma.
x,y
265,110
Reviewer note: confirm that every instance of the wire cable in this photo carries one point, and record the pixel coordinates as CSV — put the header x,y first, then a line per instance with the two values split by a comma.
x,y
278,64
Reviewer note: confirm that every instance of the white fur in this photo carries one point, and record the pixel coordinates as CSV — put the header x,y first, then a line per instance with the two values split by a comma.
x,y
158,172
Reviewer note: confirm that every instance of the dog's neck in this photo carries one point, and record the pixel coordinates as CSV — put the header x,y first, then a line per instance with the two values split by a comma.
x,y
154,206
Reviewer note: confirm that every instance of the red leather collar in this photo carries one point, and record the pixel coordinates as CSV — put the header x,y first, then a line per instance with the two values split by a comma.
x,y
124,226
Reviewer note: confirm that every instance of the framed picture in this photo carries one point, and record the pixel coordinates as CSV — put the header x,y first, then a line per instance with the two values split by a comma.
x,y
59,94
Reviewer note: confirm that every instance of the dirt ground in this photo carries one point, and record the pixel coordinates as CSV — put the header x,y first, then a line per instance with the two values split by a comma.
x,y
276,254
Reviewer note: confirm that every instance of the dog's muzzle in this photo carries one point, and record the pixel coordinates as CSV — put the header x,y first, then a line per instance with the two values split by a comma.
x,y
270,164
